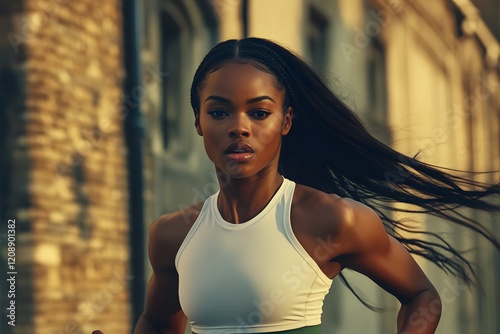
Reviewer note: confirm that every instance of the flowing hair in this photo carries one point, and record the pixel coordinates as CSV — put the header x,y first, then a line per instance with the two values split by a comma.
x,y
328,148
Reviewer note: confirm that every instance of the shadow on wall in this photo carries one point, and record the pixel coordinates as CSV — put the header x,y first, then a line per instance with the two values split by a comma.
x,y
14,166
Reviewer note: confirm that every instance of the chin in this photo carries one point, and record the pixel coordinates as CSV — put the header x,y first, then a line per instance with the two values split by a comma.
x,y
237,171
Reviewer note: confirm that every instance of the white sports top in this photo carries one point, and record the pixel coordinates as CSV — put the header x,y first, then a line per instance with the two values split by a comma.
x,y
249,277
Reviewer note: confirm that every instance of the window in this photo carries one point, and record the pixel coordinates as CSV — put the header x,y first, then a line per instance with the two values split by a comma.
x,y
170,63
316,38
377,85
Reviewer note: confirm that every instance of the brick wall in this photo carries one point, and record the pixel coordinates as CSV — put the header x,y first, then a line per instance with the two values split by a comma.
x,y
68,165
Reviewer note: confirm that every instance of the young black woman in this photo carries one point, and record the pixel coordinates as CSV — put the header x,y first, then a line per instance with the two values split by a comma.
x,y
302,185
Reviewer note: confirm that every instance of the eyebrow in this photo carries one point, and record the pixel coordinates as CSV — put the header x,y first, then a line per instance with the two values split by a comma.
x,y
224,100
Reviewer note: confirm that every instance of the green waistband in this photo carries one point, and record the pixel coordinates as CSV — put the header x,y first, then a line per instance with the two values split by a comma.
x,y
302,330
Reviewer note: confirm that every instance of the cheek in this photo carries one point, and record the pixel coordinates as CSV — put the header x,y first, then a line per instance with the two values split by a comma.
x,y
210,140
213,139
268,136
211,129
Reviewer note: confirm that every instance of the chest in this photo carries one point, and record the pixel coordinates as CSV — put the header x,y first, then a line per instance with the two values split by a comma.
x,y
244,269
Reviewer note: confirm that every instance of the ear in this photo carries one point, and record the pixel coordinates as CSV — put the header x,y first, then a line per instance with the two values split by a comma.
x,y
197,124
287,122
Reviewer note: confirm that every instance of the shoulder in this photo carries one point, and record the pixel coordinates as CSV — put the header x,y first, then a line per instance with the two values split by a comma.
x,y
354,226
167,232
317,207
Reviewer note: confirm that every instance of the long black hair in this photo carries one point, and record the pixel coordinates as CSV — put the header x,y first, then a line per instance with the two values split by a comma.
x,y
329,148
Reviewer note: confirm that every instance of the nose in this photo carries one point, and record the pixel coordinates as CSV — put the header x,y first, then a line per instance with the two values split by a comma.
x,y
239,126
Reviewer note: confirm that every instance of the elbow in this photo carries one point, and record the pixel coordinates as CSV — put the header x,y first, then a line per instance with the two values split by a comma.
x,y
429,312
430,304
434,303
421,314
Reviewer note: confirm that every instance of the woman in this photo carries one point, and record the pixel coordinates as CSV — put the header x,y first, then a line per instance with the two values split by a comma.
x,y
302,185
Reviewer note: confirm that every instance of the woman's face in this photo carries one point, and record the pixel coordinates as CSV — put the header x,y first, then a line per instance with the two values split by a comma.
x,y
241,120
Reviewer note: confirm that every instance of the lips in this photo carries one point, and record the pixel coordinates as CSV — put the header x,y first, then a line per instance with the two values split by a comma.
x,y
239,152
239,147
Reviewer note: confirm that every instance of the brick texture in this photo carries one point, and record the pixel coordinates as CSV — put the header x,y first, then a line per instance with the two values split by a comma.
x,y
68,166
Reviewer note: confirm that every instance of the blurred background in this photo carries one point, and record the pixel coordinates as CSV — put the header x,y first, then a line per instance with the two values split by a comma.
x,y
97,137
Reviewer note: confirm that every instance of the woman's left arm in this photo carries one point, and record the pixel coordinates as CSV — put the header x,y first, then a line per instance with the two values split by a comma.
x,y
372,252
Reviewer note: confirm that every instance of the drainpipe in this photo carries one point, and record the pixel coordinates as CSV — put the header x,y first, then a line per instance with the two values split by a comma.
x,y
244,17
133,136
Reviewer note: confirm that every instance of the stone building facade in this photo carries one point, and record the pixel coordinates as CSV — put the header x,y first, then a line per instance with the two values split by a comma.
x,y
443,78
422,75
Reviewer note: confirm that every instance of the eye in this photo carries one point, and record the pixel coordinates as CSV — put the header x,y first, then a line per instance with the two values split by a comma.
x,y
217,113
260,114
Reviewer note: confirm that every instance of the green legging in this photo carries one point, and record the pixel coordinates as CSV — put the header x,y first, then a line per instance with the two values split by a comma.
x,y
302,330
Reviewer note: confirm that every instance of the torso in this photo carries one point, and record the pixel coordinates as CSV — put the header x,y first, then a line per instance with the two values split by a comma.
x,y
313,226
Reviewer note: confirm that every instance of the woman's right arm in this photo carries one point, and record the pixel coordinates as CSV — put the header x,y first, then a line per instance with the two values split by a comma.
x,y
162,313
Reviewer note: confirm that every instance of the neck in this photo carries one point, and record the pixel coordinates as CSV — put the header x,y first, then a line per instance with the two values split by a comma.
x,y
241,199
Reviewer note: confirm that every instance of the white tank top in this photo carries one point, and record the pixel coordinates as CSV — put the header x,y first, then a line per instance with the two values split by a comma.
x,y
249,277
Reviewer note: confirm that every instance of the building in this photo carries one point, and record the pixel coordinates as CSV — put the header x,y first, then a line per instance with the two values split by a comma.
x,y
422,75
64,172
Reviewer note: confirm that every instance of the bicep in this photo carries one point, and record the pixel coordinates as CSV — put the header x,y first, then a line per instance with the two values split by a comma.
x,y
395,271
162,302
383,259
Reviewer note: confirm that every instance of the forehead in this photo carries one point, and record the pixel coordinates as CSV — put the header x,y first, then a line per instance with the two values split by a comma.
x,y
234,79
